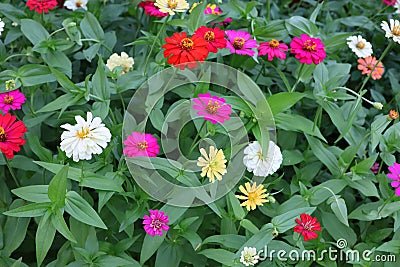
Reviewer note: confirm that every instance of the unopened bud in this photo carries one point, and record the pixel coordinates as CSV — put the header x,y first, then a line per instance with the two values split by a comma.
x,y
275,233
10,84
271,199
377,105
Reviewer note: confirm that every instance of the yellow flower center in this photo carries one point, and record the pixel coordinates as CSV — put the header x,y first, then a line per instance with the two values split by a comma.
x,y
79,4
360,45
83,133
396,30
8,99
172,4
309,45
212,108
187,43
273,43
209,36
260,155
238,43
142,145
3,136
253,196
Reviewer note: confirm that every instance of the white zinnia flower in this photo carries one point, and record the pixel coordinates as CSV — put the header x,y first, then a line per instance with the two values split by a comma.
x,y
172,6
75,4
397,6
260,164
116,61
84,138
249,256
1,26
393,31
360,46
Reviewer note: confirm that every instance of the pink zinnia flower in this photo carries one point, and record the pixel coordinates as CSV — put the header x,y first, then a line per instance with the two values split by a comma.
x,y
307,227
155,223
273,49
151,9
390,2
395,176
212,9
11,100
213,108
240,42
139,144
308,50
375,168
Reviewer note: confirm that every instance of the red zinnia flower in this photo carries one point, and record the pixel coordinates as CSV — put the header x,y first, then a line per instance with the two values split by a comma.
x,y
184,50
214,37
308,50
151,9
307,226
11,132
41,5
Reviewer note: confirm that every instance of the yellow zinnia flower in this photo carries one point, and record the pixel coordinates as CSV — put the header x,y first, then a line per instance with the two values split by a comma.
x,y
254,195
213,164
172,6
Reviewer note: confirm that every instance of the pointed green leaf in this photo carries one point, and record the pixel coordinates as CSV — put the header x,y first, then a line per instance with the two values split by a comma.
x,y
58,187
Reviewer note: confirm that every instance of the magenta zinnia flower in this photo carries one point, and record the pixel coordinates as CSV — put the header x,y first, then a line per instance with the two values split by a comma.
x,y
273,49
151,9
213,108
395,176
390,2
240,42
308,50
11,100
375,168
155,223
139,144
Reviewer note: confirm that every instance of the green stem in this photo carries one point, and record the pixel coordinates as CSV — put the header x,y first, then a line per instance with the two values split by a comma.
x,y
154,42
12,173
56,31
268,10
12,56
354,93
196,137
259,73
298,78
366,79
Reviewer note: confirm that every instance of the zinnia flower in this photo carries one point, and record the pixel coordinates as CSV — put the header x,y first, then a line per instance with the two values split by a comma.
x,y
124,61
375,168
185,51
249,256
308,50
213,164
393,31
273,49
151,9
212,9
390,2
140,144
215,37
307,227
84,138
366,65
1,26
172,6
156,223
213,108
240,42
397,6
393,114
261,165
11,100
359,46
75,4
41,5
394,174
254,195
11,133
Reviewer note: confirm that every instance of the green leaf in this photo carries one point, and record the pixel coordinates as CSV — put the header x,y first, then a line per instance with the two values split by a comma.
x,y
44,237
91,28
99,82
35,74
235,204
150,246
297,123
34,31
338,230
193,238
324,155
43,153
30,210
196,18
59,223
78,208
229,241
170,254
33,193
339,208
59,103
287,221
283,101
58,187
297,25
219,255
247,224
392,246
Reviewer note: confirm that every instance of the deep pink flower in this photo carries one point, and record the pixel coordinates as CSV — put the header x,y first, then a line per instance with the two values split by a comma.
x,y
41,5
151,9
139,144
390,2
273,49
395,176
308,50
307,227
213,108
212,9
240,42
11,100
155,223
375,168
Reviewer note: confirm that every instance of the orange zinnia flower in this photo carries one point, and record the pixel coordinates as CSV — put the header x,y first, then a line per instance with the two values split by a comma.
x,y
393,114
367,65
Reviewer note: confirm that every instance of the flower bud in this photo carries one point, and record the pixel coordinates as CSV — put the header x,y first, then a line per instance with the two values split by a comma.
x,y
377,105
393,114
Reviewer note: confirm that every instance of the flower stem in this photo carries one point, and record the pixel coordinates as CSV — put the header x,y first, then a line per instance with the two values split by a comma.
x,y
268,10
12,173
354,93
154,42
12,56
298,78
366,79
196,138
